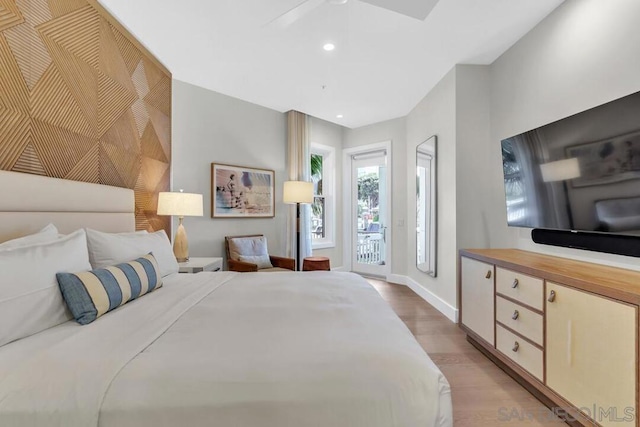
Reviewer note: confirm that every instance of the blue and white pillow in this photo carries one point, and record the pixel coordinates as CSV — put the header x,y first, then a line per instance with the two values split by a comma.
x,y
91,294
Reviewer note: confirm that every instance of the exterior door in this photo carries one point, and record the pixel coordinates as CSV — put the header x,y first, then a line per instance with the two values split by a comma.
x,y
370,213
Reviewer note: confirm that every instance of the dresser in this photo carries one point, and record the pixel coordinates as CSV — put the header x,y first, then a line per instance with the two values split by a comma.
x,y
567,330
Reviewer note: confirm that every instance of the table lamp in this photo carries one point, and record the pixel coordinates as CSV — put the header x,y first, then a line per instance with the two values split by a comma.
x,y
298,192
180,205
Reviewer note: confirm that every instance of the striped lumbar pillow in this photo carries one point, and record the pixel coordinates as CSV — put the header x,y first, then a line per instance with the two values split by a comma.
x,y
91,294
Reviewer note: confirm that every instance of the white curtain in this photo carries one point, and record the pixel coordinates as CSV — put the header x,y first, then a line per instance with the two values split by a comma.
x,y
299,170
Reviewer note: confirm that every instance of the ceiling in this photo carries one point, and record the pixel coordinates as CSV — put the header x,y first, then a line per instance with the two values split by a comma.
x,y
384,62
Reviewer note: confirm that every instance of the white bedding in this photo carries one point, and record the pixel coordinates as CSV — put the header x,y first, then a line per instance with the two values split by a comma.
x,y
226,349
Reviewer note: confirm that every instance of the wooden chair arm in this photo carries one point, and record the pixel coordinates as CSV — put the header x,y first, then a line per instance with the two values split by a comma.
x,y
281,262
241,267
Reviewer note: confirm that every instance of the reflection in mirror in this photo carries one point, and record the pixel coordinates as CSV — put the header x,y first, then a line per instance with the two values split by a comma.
x,y
426,206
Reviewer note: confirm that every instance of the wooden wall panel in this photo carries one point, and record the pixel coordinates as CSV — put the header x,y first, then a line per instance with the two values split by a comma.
x,y
81,99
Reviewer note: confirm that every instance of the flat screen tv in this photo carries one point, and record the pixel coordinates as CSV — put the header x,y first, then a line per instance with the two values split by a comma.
x,y
581,173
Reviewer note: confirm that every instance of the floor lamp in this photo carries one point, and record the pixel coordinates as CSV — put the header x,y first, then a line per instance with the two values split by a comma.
x,y
298,192
180,205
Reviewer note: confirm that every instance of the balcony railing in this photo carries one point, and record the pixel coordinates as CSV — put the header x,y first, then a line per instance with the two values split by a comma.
x,y
369,248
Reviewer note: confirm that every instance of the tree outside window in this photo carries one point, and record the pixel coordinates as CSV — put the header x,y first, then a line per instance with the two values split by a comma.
x,y
318,226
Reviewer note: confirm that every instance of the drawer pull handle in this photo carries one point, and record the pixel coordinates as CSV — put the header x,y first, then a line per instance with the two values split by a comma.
x,y
488,275
515,283
552,296
516,314
516,346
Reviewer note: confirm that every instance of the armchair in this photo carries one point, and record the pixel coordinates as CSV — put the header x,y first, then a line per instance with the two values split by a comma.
x,y
250,253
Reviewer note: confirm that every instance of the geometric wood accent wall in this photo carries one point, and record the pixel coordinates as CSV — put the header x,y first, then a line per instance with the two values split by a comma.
x,y
81,99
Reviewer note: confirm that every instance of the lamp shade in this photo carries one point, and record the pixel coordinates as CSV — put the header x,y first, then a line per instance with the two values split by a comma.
x,y
180,204
560,170
298,192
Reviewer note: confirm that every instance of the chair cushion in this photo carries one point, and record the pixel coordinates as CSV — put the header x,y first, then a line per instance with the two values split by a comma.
x,y
262,261
247,246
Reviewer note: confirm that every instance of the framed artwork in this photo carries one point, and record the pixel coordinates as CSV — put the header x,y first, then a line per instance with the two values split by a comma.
x,y
242,192
604,162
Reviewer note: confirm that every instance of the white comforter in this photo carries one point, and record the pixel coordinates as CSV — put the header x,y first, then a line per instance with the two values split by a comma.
x,y
225,349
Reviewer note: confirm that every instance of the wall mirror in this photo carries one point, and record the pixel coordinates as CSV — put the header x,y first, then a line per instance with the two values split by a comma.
x,y
426,206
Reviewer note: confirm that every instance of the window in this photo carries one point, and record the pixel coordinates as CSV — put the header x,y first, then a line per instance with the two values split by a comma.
x,y
322,210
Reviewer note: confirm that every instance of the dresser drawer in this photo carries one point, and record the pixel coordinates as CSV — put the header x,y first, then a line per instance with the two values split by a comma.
x,y
526,289
526,355
522,320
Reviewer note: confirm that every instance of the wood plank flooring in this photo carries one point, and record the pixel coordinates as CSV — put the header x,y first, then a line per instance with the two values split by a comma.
x,y
483,394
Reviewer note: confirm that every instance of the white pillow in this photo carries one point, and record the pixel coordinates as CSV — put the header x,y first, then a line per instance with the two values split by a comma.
x,y
107,249
48,234
262,261
30,300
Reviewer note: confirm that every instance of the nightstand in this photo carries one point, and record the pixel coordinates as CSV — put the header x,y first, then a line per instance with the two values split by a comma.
x,y
196,265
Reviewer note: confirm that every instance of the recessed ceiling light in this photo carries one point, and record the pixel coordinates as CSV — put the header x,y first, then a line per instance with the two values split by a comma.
x,y
329,47
339,116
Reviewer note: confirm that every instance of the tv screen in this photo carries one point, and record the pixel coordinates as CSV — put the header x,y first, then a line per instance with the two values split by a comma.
x,y
580,173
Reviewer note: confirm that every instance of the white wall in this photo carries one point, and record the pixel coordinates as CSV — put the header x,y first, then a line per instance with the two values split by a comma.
x,y
326,133
435,115
582,55
210,127
394,131
476,166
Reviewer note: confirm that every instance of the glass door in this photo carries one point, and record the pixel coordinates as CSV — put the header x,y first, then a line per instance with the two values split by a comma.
x,y
370,213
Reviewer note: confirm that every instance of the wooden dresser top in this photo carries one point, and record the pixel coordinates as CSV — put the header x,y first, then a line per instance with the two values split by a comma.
x,y
608,281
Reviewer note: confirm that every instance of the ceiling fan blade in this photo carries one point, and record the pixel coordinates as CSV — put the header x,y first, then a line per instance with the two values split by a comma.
x,y
418,9
292,15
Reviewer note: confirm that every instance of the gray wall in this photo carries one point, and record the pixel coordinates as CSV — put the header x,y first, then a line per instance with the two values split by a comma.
x,y
583,55
435,115
475,160
210,127
326,133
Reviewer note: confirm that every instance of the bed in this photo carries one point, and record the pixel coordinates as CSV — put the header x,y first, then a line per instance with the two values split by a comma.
x,y
229,349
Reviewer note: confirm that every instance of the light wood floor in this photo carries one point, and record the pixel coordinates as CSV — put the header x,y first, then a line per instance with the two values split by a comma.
x,y
483,395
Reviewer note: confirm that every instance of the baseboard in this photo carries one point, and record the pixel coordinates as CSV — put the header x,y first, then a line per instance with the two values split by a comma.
x,y
397,279
338,269
437,302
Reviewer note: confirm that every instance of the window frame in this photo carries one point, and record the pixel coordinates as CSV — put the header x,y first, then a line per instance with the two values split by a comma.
x,y
328,154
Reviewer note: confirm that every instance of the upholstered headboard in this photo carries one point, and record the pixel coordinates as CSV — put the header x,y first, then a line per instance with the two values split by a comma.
x,y
29,202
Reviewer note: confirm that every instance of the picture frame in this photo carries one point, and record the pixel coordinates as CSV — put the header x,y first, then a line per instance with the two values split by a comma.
x,y
607,161
242,192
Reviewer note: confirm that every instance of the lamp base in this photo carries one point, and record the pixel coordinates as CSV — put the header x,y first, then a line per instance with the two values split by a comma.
x,y
180,244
